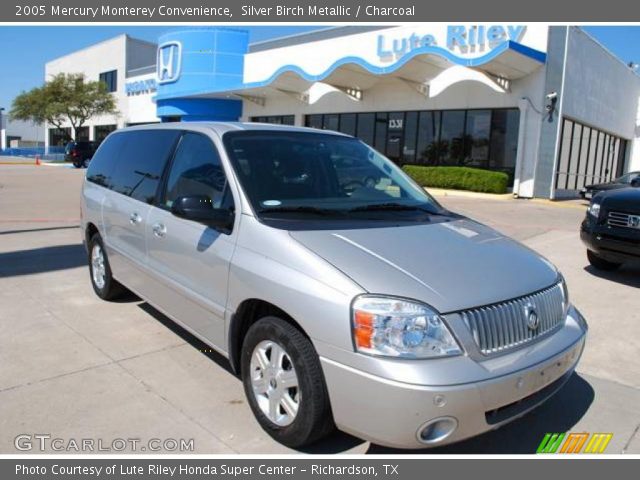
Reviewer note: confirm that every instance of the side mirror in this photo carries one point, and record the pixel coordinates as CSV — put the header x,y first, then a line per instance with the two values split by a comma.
x,y
635,182
199,208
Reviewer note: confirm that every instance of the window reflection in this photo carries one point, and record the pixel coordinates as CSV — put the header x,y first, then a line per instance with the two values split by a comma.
x,y
481,138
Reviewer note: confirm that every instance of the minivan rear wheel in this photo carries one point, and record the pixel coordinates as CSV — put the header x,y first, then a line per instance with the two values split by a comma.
x,y
284,384
105,286
600,263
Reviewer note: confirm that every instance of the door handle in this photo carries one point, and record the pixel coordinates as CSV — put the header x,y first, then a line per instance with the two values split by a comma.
x,y
159,230
135,218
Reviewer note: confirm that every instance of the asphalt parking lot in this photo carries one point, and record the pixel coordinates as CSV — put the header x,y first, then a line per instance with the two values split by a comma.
x,y
73,366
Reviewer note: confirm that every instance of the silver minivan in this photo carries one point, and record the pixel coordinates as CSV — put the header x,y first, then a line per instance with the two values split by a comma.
x,y
341,292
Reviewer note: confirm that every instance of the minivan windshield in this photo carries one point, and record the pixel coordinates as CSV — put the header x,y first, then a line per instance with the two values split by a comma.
x,y
315,175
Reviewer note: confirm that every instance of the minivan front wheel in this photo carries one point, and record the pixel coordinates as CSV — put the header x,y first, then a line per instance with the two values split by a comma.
x,y
284,384
105,286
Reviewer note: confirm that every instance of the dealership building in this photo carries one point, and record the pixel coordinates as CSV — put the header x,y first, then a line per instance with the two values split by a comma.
x,y
548,105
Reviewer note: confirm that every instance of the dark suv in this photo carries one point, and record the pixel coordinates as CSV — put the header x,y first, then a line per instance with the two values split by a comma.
x,y
80,153
611,229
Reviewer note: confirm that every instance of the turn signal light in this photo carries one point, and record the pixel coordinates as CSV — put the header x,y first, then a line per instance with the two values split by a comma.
x,y
363,329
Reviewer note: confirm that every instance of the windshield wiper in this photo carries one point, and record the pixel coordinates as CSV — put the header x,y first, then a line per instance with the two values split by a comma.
x,y
393,207
301,209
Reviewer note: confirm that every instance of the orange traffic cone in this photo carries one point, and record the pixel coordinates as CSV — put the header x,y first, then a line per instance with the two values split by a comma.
x,y
38,160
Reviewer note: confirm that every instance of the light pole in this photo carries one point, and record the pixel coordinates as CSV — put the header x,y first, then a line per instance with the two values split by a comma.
x,y
3,132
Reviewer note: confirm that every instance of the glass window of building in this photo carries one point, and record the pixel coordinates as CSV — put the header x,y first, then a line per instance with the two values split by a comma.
x,y
314,121
110,80
481,138
477,134
348,123
58,137
331,122
587,155
100,132
82,134
366,127
275,119
410,137
505,124
380,139
428,136
452,137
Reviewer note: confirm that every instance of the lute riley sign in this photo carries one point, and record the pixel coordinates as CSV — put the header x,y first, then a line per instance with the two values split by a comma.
x,y
460,39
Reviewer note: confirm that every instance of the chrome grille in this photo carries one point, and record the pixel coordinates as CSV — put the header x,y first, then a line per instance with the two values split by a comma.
x,y
500,327
619,219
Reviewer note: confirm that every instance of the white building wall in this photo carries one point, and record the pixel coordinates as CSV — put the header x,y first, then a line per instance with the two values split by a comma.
x,y
634,156
601,91
27,131
120,53
92,61
141,107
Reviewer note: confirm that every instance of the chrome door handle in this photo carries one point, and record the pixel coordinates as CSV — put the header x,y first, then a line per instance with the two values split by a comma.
x,y
135,218
159,230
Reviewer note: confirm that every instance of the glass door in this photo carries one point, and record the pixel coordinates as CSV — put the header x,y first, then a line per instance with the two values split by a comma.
x,y
395,136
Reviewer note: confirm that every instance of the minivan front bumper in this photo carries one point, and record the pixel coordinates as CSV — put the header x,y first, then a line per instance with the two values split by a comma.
x,y
396,414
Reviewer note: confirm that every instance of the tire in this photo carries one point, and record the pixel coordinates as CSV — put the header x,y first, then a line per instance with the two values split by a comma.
x,y
107,288
264,388
77,164
85,163
600,263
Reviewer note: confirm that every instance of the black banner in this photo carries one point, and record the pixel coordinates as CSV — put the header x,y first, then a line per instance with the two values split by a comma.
x,y
317,11
398,468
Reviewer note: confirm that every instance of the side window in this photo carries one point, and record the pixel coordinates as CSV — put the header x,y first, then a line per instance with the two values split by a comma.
x,y
104,160
142,159
196,170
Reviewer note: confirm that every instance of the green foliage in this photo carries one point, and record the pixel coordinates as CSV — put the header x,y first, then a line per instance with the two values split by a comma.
x,y
64,98
459,178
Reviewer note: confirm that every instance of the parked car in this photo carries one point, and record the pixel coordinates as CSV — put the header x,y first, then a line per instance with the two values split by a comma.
x,y
628,179
79,153
611,228
354,172
373,309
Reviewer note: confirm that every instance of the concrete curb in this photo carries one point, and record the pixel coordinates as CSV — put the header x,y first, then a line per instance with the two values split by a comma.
x,y
28,164
560,203
441,192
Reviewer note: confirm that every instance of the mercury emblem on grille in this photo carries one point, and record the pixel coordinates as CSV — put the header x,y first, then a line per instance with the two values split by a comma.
x,y
530,313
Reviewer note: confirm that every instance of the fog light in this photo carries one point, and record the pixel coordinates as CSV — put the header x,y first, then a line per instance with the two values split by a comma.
x,y
436,430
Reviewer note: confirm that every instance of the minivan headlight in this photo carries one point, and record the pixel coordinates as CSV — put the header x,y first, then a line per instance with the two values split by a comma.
x,y
396,327
594,209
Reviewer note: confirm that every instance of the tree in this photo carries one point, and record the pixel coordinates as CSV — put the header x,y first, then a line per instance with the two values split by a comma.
x,y
65,98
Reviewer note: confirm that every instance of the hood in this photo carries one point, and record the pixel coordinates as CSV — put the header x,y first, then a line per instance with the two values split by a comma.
x,y
626,199
603,187
452,265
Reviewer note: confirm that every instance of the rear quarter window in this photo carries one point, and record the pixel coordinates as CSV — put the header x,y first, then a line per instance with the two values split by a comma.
x,y
104,160
140,162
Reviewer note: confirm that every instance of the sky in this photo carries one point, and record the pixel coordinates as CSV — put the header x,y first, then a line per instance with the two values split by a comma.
x,y
25,50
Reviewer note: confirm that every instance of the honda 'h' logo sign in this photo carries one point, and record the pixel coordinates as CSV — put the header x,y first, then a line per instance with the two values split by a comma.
x,y
169,60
